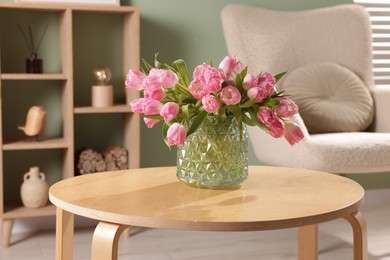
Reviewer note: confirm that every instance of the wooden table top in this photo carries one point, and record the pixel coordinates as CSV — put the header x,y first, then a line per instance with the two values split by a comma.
x,y
271,198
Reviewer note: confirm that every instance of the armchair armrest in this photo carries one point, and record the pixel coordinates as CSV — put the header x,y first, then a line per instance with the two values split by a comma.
x,y
381,96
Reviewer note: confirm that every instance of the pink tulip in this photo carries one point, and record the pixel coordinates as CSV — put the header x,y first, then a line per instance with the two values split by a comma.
x,y
156,94
196,89
228,64
292,133
169,111
150,122
267,81
231,67
210,103
209,77
250,81
199,71
137,105
230,95
167,78
151,107
257,92
152,81
271,121
135,80
176,134
286,108
212,79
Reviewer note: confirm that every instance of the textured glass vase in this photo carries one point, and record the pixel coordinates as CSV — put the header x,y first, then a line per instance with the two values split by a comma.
x,y
215,156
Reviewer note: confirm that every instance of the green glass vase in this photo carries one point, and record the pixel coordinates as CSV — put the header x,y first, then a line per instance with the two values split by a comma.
x,y
216,155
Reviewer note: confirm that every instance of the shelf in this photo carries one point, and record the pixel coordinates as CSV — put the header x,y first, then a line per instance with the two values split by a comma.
x,y
68,18
53,143
111,109
28,76
16,210
75,7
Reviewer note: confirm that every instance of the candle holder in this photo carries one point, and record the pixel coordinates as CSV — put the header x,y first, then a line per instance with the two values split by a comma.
x,y
102,93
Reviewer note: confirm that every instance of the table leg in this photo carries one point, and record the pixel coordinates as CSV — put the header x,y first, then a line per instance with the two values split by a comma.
x,y
308,242
359,229
105,241
64,234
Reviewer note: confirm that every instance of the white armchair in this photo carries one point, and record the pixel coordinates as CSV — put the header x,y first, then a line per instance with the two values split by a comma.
x,y
277,41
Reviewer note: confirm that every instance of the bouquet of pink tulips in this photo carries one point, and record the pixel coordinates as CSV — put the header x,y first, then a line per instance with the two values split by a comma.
x,y
183,104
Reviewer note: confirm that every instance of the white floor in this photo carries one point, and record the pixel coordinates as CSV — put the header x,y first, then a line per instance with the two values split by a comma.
x,y
158,244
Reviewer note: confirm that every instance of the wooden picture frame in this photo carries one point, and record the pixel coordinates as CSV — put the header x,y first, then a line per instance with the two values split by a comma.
x,y
81,2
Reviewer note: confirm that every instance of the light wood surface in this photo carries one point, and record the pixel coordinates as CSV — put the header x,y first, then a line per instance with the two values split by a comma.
x,y
270,198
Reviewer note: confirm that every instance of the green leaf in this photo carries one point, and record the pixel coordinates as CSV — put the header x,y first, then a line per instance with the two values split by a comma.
x,y
243,73
158,117
235,110
185,111
160,65
247,120
279,76
182,89
198,120
181,67
147,65
256,121
240,78
249,103
222,109
164,134
271,102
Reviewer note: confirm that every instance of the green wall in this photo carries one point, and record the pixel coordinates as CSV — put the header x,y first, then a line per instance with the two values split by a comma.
x,y
175,29
191,30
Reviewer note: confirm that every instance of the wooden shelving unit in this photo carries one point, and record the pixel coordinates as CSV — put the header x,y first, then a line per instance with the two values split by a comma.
x,y
10,210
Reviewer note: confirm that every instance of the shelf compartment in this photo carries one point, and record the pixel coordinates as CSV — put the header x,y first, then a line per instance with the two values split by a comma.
x,y
17,210
95,110
52,143
28,76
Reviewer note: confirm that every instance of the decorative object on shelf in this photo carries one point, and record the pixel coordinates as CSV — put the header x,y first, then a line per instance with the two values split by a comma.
x,y
34,190
35,122
93,2
226,91
116,158
90,161
102,93
33,64
113,158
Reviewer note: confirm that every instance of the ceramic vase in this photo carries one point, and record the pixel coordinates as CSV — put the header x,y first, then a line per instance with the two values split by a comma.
x,y
34,190
216,155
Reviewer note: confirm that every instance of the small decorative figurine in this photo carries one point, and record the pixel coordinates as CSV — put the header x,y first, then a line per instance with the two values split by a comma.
x,y
35,122
33,64
34,190
102,93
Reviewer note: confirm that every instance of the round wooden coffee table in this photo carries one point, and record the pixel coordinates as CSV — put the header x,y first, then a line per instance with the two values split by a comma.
x,y
271,198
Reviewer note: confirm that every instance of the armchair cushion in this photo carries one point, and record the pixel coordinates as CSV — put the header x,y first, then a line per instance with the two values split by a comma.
x,y
331,98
